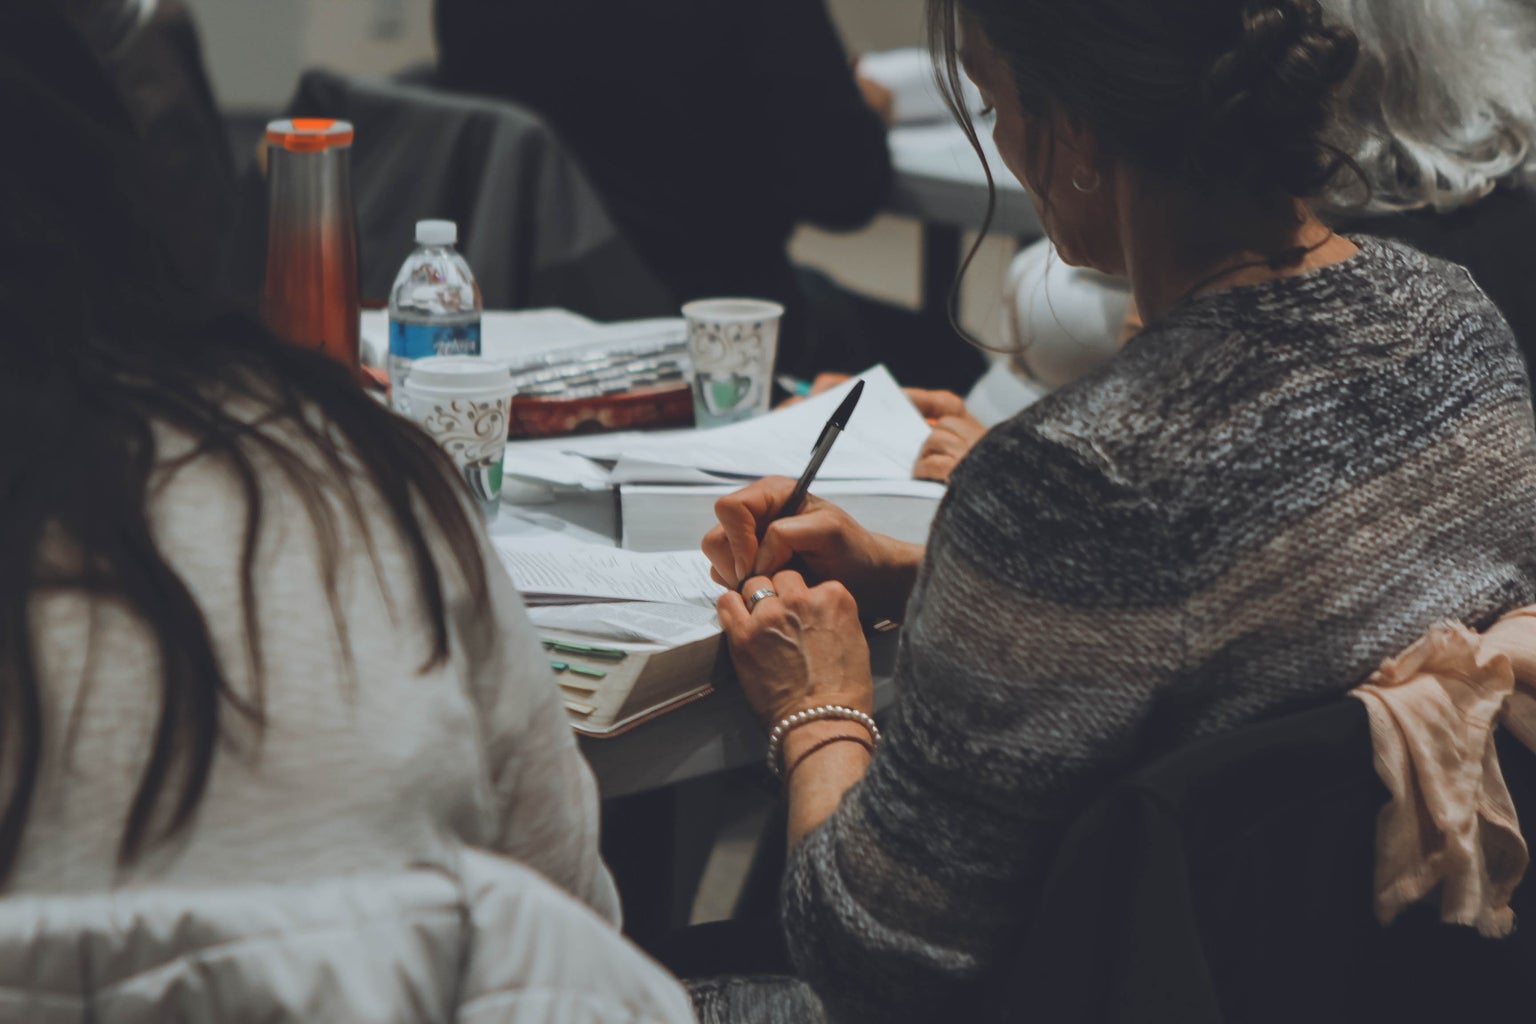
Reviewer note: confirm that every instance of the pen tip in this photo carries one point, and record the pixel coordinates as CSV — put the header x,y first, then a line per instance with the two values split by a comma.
x,y
840,418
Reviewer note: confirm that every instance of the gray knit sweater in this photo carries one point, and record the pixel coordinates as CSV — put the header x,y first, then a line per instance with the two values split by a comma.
x,y
1243,513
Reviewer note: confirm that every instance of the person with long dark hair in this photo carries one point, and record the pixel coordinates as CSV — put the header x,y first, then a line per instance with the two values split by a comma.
x,y
251,630
1317,447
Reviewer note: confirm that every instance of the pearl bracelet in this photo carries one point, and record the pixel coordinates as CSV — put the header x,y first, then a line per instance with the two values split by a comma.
x,y
799,718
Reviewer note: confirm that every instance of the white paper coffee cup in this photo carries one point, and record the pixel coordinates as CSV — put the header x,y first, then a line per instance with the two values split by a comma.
x,y
465,403
732,343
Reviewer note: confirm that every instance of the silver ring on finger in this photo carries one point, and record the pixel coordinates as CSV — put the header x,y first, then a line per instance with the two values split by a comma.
x,y
758,595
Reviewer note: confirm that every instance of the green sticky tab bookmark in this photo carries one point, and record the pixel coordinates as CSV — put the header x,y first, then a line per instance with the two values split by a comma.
x,y
559,666
590,673
603,653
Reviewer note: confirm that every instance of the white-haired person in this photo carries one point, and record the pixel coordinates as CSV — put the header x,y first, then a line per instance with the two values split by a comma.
x,y
1440,117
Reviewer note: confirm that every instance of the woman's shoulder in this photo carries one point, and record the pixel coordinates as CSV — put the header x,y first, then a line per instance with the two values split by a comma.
x,y
1056,503
1387,288
1384,318
1195,391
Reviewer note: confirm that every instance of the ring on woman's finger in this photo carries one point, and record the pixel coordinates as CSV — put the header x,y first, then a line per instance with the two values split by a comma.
x,y
758,595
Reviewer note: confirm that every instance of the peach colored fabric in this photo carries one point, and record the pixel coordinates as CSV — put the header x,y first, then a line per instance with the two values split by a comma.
x,y
1451,823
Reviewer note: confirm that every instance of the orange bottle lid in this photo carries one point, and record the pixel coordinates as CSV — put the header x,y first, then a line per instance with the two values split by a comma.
x,y
309,134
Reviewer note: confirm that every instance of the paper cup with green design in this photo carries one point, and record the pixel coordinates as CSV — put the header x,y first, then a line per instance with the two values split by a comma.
x,y
465,403
732,343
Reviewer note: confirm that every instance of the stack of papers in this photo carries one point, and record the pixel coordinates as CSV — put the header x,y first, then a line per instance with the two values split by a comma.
x,y
532,340
668,481
882,441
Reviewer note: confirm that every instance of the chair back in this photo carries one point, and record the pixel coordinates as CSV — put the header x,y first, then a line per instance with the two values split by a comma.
x,y
531,224
1232,881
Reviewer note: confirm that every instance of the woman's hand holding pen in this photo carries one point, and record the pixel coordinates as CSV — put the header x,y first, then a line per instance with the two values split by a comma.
x,y
878,570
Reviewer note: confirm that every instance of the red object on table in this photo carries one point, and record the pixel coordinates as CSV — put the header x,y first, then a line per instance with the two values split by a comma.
x,y
310,295
648,407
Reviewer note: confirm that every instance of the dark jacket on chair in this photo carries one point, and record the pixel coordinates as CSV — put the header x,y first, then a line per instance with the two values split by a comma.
x,y
1231,882
711,128
154,58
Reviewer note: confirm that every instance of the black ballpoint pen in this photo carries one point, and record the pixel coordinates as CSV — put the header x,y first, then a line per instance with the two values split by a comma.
x,y
836,425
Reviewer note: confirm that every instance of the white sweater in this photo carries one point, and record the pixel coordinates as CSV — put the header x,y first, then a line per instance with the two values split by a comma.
x,y
357,772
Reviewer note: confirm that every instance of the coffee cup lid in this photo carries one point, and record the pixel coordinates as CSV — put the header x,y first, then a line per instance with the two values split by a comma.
x,y
732,309
459,373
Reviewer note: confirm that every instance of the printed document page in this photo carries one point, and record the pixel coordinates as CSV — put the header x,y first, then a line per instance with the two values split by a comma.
x,y
579,575
636,622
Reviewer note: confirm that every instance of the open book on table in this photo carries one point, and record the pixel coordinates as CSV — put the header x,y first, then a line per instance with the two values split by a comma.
x,y
671,657
630,635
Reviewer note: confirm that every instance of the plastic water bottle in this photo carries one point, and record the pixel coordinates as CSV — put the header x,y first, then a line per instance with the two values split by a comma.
x,y
434,307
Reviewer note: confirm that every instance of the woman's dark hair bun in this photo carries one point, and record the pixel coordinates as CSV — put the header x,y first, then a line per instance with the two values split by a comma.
x,y
1267,101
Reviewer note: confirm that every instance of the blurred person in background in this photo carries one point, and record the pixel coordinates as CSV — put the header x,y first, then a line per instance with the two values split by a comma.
x,y
151,52
712,130
254,632
1440,115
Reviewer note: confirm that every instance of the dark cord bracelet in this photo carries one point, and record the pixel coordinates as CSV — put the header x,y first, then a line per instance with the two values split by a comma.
x,y
822,744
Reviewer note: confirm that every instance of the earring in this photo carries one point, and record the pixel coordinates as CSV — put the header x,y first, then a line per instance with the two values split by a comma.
x,y
1098,180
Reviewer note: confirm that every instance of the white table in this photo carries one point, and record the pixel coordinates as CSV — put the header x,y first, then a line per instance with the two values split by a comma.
x,y
708,736
940,181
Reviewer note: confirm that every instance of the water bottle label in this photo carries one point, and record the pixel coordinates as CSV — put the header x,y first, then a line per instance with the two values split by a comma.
x,y
417,341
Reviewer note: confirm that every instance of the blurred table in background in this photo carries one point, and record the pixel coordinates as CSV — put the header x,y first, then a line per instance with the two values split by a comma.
x,y
940,181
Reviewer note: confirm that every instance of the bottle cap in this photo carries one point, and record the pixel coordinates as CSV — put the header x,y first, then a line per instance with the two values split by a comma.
x,y
436,232
309,134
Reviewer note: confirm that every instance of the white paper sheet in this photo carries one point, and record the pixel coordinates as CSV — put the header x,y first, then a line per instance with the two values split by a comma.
x,y
587,574
884,435
642,471
637,622
541,462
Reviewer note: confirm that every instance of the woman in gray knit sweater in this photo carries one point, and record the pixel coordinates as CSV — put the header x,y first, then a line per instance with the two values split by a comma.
x,y
1317,448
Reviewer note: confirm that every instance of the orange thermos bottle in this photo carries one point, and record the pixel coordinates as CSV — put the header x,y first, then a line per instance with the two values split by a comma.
x,y
310,293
